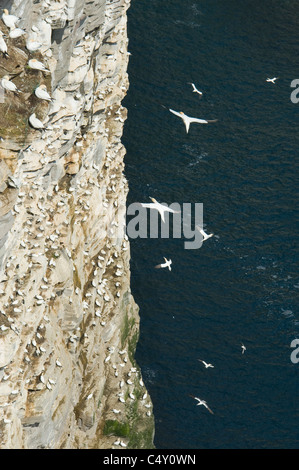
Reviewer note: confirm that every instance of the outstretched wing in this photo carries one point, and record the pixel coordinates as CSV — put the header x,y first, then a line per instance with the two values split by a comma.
x,y
202,121
167,209
201,230
209,409
175,112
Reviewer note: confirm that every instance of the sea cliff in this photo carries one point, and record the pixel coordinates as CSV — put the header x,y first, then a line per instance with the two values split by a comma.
x,y
68,322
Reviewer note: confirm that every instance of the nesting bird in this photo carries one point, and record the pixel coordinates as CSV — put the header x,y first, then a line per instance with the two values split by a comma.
x,y
9,20
33,45
8,85
15,33
35,122
3,45
37,65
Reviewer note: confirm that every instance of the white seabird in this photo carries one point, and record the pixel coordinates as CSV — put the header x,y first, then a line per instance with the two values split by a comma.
x,y
37,65
195,90
35,122
202,402
205,364
272,80
3,45
188,120
16,33
159,207
243,348
167,264
9,20
8,85
32,45
41,92
204,234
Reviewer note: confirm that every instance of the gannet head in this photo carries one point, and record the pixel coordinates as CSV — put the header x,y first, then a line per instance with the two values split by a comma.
x,y
5,11
153,199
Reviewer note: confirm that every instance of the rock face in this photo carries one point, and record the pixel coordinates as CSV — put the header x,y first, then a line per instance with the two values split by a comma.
x,y
68,322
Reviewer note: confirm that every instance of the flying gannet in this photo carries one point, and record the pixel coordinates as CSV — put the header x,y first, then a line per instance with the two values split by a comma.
x,y
9,20
205,364
204,234
188,120
167,264
202,402
8,85
159,207
243,348
195,90
272,80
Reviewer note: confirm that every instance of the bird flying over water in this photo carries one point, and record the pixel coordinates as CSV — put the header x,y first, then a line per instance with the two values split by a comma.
x,y
188,120
205,364
243,348
165,265
159,207
204,234
202,402
195,90
272,80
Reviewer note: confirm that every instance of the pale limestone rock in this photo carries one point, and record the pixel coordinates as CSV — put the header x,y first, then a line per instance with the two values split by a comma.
x,y
61,191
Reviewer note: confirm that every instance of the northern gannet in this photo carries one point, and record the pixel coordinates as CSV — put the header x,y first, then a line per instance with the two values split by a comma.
x,y
8,85
41,92
35,122
37,65
243,348
9,20
159,207
202,402
16,33
195,90
205,364
204,234
3,45
32,45
167,264
272,80
188,120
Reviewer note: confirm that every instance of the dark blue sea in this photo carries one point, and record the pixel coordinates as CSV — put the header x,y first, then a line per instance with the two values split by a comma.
x,y
242,285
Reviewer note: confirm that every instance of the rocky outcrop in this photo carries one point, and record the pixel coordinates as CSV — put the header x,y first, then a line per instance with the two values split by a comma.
x,y
68,322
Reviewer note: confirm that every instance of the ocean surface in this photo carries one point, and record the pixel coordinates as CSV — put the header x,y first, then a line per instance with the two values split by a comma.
x,y
242,285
